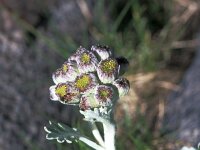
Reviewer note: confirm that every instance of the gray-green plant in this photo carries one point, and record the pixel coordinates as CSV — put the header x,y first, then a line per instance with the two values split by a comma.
x,y
92,80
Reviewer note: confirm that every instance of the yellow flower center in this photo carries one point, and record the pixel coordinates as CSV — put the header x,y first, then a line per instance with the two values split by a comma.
x,y
104,93
65,67
109,66
83,82
85,58
61,90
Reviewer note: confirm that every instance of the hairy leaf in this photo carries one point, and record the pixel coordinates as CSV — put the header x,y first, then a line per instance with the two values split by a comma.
x,y
61,132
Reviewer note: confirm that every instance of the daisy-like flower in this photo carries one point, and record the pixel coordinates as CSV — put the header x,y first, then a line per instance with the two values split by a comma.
x,y
104,52
88,102
104,94
66,73
65,93
107,70
86,62
85,82
122,85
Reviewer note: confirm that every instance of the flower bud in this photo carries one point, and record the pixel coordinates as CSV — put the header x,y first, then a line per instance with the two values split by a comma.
x,y
66,93
52,92
73,57
107,70
66,73
122,85
86,62
88,102
104,94
103,52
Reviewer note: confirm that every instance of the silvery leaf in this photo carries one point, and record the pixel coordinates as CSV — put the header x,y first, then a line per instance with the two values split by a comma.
x,y
61,133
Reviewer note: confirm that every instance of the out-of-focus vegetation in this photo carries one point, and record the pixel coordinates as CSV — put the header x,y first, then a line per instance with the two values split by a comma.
x,y
132,29
144,31
136,29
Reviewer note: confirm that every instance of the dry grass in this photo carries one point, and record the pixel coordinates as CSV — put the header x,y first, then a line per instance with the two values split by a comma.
x,y
148,94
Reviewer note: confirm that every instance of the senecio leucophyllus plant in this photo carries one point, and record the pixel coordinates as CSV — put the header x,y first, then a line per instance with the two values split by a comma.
x,y
92,80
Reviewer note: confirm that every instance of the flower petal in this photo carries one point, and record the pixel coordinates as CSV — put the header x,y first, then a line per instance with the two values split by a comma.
x,y
122,85
53,95
103,52
107,70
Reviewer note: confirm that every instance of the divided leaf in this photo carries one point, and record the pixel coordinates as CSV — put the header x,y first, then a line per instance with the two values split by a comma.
x,y
61,132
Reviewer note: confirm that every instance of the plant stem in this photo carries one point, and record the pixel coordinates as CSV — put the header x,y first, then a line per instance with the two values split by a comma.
x,y
91,143
109,135
108,126
97,135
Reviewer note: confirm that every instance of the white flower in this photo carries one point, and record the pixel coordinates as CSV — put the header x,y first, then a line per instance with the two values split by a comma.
x,y
122,85
84,80
103,52
88,102
104,94
73,57
66,73
65,93
52,92
107,70
86,62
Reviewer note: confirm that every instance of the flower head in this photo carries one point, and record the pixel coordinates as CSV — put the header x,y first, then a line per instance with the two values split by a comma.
x,y
73,57
86,62
103,52
107,70
66,73
90,79
104,94
122,85
85,82
65,93
88,102
52,92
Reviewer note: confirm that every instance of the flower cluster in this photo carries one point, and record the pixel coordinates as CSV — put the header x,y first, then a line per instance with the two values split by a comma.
x,y
90,79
